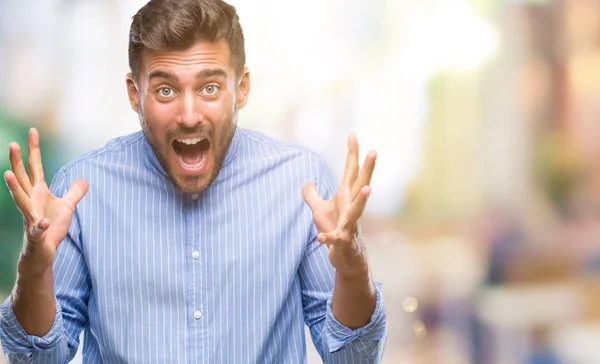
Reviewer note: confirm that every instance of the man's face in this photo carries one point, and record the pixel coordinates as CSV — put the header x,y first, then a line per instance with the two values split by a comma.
x,y
187,101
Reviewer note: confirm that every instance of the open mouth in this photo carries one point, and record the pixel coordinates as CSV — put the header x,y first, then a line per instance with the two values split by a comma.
x,y
191,152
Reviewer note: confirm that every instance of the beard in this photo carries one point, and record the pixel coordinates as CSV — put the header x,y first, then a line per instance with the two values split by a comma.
x,y
219,148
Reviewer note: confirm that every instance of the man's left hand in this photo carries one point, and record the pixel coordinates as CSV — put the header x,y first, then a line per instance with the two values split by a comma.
x,y
337,219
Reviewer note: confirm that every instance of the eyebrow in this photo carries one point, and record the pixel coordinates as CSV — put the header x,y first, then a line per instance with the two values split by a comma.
x,y
207,72
163,74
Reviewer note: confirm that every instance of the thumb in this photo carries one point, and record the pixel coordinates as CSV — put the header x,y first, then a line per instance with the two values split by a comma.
x,y
36,231
76,192
311,195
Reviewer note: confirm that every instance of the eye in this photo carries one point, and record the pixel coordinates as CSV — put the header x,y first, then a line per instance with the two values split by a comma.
x,y
211,90
165,91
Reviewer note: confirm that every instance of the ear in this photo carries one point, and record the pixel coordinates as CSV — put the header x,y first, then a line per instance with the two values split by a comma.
x,y
243,90
132,92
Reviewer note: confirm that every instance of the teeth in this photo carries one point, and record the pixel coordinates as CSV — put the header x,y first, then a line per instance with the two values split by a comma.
x,y
190,141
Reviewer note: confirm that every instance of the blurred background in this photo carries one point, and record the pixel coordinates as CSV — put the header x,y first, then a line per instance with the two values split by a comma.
x,y
484,222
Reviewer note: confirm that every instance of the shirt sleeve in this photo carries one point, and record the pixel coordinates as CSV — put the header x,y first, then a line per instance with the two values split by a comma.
x,y
71,288
366,342
22,348
335,342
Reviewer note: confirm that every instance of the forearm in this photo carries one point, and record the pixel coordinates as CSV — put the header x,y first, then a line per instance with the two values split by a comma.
x,y
34,303
354,297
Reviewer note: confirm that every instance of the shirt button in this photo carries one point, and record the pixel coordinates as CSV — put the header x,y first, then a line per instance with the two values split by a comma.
x,y
195,254
195,196
197,315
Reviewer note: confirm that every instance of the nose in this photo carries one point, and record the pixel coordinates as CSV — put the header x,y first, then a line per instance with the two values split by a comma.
x,y
189,111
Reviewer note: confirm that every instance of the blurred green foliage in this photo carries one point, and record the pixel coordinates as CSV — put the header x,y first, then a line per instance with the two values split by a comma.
x,y
11,220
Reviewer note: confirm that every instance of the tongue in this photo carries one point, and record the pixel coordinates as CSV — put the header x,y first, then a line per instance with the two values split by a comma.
x,y
191,154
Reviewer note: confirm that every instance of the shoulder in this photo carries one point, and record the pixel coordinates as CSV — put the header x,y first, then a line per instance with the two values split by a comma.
x,y
268,154
114,151
257,145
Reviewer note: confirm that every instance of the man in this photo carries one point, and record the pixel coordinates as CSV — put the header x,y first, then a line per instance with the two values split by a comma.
x,y
190,240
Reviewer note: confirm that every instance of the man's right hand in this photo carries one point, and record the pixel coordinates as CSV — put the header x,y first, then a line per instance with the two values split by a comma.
x,y
47,217
47,221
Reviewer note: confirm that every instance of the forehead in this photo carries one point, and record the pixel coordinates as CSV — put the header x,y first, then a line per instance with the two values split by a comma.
x,y
200,56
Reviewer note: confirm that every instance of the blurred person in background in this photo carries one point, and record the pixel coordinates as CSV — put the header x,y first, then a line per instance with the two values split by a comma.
x,y
192,240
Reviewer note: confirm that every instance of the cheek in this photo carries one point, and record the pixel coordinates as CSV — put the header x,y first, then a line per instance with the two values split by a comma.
x,y
159,116
219,115
220,111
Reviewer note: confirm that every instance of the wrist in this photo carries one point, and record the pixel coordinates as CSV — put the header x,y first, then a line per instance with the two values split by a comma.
x,y
30,273
358,270
35,261
350,260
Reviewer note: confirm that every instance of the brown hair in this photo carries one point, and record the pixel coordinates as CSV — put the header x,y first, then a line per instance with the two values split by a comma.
x,y
178,24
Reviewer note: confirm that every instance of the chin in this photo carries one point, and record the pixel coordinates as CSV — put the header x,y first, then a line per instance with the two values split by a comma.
x,y
195,184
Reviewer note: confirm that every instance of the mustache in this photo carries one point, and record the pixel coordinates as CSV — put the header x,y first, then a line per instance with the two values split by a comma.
x,y
175,133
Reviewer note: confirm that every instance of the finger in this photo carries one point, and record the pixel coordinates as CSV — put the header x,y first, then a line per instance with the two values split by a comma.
x,y
332,237
19,196
311,196
35,233
351,170
18,168
322,238
36,172
365,174
358,206
75,193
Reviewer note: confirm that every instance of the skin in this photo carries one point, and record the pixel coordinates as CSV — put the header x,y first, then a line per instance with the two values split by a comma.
x,y
186,94
337,220
47,220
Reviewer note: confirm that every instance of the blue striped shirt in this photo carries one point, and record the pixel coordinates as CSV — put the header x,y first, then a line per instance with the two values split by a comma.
x,y
229,275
